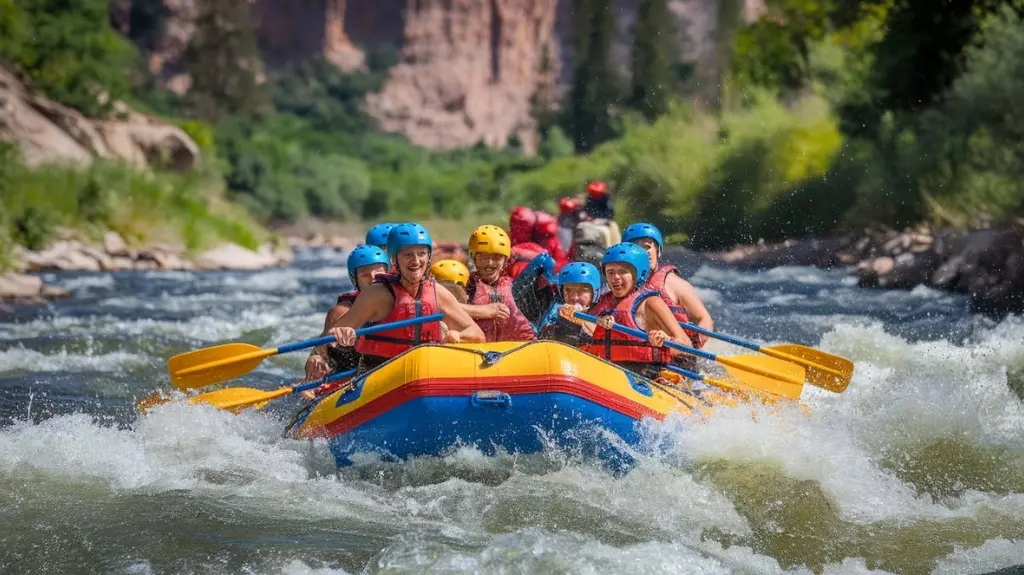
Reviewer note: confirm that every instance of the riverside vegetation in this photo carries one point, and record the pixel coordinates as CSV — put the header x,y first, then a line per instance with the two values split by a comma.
x,y
818,130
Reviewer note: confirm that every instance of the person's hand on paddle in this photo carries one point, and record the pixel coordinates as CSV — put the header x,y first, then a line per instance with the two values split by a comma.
x,y
657,337
498,311
566,312
345,336
316,367
606,321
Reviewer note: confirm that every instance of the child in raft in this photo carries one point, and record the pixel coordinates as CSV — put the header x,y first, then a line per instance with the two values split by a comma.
x,y
453,275
578,286
626,270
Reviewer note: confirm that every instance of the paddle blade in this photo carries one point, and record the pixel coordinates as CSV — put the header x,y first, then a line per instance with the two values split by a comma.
x,y
825,370
771,375
215,364
236,399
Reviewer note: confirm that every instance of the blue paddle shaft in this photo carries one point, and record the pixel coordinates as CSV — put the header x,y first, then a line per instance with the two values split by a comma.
x,y
362,331
685,372
641,335
315,384
721,336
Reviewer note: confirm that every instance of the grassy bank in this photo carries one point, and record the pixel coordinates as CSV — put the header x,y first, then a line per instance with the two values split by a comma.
x,y
712,179
187,209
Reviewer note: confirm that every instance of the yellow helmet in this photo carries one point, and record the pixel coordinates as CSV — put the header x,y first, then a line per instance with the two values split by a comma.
x,y
451,271
490,240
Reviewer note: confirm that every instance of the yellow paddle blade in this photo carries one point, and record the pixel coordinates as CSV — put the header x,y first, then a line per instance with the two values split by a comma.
x,y
747,393
825,370
236,399
766,366
215,364
771,375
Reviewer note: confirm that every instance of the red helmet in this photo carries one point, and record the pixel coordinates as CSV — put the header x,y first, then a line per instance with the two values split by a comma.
x,y
546,226
597,189
520,224
568,205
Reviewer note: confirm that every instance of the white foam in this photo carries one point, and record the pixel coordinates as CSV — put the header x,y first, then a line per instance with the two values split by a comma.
x,y
992,555
19,358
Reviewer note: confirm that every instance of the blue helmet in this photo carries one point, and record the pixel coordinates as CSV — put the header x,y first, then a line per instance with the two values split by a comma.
x,y
378,235
630,254
365,256
409,234
580,273
643,230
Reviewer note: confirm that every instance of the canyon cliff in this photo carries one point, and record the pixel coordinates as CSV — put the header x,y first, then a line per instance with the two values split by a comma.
x,y
468,70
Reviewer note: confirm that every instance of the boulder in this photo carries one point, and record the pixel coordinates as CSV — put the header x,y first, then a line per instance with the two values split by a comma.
x,y
49,133
235,257
995,278
115,245
27,289
14,286
64,255
823,253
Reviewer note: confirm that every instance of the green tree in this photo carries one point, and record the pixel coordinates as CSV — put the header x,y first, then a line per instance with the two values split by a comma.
x,y
68,51
595,85
652,59
224,62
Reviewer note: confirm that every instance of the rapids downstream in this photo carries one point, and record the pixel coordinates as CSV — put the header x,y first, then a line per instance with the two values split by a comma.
x,y
917,468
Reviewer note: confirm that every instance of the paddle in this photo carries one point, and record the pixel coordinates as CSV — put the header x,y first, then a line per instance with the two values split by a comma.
x,y
235,399
771,375
223,362
824,370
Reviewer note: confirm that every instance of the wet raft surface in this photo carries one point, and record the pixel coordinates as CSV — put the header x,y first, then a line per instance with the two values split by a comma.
x,y
918,468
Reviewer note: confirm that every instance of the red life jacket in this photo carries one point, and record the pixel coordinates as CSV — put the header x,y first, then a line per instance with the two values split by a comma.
x,y
393,342
347,298
522,255
516,327
657,283
619,347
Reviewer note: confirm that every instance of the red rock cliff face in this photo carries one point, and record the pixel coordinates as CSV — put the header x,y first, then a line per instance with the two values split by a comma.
x,y
468,69
467,72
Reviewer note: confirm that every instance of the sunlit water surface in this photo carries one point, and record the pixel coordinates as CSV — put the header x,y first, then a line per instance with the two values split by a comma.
x,y
917,468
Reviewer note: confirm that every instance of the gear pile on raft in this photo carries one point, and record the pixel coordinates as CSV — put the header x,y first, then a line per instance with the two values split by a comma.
x,y
562,324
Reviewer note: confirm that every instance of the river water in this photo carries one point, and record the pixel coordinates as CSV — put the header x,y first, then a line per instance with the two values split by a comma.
x,y
917,468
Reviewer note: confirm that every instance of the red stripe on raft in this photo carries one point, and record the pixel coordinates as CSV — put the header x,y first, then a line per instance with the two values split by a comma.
x,y
512,385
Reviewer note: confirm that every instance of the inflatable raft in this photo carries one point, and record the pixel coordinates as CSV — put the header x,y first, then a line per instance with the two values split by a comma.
x,y
508,396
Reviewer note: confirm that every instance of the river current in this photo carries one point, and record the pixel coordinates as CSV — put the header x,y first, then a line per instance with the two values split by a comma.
x,y
917,468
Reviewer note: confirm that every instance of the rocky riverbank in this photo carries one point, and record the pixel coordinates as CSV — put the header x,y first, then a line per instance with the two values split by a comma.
x,y
987,265
116,255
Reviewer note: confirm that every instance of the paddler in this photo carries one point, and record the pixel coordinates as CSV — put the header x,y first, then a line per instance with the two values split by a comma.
x,y
409,293
377,235
680,296
454,276
364,264
629,303
491,302
578,286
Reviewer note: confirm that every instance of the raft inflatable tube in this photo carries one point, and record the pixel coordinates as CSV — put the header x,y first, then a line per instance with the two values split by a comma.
x,y
503,396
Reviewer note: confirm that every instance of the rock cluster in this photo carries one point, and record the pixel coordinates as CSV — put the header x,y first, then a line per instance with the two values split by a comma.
x,y
987,265
25,289
47,132
115,255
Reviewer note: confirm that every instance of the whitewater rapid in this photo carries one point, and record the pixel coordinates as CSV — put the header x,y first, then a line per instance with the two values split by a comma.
x,y
917,468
